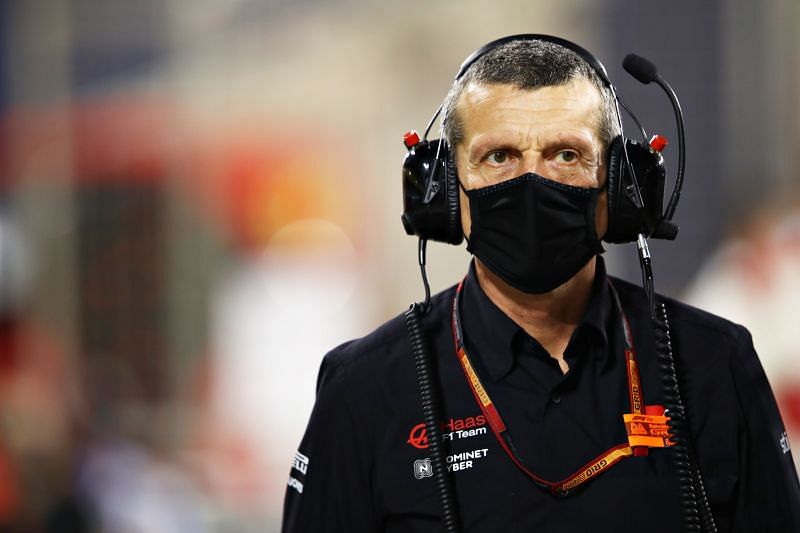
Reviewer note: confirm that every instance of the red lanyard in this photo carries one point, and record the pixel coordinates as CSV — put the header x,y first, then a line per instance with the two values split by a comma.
x,y
591,469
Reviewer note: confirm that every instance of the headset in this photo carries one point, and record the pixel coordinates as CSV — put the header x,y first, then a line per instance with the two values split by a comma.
x,y
636,173
636,176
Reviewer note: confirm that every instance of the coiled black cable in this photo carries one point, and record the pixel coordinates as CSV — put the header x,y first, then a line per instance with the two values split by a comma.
x,y
432,415
697,517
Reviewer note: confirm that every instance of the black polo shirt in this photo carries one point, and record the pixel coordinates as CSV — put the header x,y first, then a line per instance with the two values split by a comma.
x,y
361,466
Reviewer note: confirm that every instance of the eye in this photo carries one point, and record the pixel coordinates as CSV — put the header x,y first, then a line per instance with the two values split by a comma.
x,y
566,156
498,157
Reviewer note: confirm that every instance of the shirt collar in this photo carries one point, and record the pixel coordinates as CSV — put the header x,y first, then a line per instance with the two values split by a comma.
x,y
486,328
596,316
492,333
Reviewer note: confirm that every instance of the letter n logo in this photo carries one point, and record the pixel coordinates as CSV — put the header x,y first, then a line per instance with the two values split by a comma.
x,y
423,468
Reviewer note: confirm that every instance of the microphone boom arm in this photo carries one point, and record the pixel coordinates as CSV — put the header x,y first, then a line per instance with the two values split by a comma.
x,y
676,106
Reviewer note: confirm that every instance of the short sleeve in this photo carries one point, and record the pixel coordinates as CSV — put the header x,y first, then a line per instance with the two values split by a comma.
x,y
329,488
768,494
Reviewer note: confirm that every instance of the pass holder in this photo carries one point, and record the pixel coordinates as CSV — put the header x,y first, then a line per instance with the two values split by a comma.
x,y
648,430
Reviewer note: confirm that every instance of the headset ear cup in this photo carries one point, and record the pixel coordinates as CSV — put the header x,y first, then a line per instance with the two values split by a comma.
x,y
430,193
455,233
625,220
613,188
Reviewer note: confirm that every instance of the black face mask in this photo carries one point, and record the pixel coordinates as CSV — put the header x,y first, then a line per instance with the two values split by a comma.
x,y
534,233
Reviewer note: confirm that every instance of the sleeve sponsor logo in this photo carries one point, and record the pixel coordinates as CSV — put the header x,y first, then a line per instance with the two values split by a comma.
x,y
300,463
784,441
295,484
455,428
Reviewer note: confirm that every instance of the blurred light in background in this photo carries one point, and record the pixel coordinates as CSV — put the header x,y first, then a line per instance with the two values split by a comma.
x,y
754,279
199,199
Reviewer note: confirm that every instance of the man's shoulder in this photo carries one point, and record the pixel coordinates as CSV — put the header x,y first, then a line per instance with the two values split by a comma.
x,y
386,349
703,343
682,316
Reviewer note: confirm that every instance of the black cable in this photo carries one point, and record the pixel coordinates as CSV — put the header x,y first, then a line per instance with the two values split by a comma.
x,y
430,401
646,264
706,516
696,517
636,120
690,482
421,249
430,123
432,414
632,191
677,423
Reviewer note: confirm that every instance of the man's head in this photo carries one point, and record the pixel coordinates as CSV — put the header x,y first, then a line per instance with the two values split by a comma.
x,y
530,106
529,64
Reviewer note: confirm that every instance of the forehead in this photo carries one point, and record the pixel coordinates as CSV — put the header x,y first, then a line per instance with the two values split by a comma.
x,y
485,108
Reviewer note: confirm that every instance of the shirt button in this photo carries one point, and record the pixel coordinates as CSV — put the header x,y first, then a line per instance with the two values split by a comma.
x,y
556,399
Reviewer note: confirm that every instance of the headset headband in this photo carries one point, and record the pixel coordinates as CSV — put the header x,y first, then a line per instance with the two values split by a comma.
x,y
569,45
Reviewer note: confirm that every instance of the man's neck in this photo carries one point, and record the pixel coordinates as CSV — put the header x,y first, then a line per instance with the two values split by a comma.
x,y
551,317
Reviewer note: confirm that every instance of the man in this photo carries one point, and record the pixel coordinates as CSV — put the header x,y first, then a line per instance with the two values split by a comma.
x,y
545,345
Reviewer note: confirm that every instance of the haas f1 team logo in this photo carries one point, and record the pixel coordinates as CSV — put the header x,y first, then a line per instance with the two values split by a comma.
x,y
418,437
455,427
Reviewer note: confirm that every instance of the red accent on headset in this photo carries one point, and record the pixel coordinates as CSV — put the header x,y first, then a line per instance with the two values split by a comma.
x,y
410,139
658,143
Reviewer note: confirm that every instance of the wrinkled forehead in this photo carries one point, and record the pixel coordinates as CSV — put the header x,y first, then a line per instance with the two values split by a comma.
x,y
577,101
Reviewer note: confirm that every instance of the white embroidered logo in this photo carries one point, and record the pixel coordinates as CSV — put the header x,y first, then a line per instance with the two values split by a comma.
x,y
300,463
784,442
296,484
423,468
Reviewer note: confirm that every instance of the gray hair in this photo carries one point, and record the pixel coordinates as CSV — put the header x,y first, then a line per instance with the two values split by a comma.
x,y
529,65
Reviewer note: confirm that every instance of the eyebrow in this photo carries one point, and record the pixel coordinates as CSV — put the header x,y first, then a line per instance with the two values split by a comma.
x,y
583,144
493,141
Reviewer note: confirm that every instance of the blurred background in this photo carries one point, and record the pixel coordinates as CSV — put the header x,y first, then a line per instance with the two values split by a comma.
x,y
199,198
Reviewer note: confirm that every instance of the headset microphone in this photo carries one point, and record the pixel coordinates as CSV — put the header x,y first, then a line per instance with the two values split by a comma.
x,y
640,68
646,72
